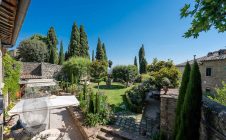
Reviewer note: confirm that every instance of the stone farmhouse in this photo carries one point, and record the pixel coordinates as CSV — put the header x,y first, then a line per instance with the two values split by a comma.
x,y
212,68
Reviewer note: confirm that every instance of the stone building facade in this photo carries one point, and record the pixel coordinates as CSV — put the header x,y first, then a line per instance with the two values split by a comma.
x,y
212,124
212,68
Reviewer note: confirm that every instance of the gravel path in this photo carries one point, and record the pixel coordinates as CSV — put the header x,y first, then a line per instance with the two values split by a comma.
x,y
61,119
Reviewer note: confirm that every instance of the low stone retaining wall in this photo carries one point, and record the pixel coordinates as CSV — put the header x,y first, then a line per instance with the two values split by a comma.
x,y
77,123
213,122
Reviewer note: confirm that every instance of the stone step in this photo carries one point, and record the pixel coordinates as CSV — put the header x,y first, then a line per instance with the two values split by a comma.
x,y
106,136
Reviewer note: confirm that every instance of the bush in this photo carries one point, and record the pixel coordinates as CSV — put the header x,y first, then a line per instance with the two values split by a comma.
x,y
125,74
95,107
220,96
76,68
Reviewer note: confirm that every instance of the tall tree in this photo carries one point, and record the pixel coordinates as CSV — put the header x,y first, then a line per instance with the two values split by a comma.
x,y
135,61
74,44
93,58
191,111
99,51
206,14
110,63
66,55
52,45
61,54
180,101
84,43
105,54
142,60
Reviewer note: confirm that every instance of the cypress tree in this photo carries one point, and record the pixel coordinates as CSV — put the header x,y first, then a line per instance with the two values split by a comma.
x,y
66,56
61,54
191,111
52,45
142,60
99,51
135,61
105,54
180,101
143,66
93,58
98,100
84,43
74,44
91,103
52,56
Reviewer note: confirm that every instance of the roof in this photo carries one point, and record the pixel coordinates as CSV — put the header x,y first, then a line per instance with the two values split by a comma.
x,y
211,56
12,14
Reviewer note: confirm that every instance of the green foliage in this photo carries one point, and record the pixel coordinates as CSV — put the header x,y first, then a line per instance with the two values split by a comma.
x,y
105,53
52,46
93,58
11,75
135,61
136,95
77,66
61,54
95,107
39,37
33,50
110,63
142,60
164,69
191,111
206,14
98,70
74,44
220,96
124,74
84,50
99,51
180,101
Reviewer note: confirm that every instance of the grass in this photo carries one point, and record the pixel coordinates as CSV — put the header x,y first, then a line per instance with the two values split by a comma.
x,y
115,93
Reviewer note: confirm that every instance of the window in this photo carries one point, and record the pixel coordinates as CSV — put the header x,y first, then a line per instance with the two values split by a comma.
x,y
208,71
208,90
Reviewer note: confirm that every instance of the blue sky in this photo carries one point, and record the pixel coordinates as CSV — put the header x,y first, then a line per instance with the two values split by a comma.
x,y
123,25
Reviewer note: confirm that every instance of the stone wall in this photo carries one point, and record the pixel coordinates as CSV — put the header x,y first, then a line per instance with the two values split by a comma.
x,y
50,70
213,122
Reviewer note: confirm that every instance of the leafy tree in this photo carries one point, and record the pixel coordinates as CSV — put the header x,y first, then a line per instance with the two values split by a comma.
x,y
142,60
161,69
33,51
12,70
84,52
180,101
124,74
93,58
191,111
135,61
52,45
110,63
39,37
99,51
98,71
206,14
61,54
74,44
78,66
220,96
105,54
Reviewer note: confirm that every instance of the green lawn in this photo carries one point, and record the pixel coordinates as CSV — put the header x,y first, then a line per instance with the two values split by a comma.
x,y
115,93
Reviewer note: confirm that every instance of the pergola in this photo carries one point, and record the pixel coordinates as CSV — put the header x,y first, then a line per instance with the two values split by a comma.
x,y
12,14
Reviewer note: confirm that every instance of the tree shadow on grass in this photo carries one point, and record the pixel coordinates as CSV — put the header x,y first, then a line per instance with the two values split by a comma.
x,y
112,87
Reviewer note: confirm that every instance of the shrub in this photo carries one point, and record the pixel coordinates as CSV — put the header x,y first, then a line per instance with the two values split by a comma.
x,y
220,96
76,68
125,74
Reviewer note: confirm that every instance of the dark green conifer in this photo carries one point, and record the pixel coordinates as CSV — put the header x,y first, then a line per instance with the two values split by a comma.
x,y
84,52
52,46
74,44
99,51
61,54
191,111
180,101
